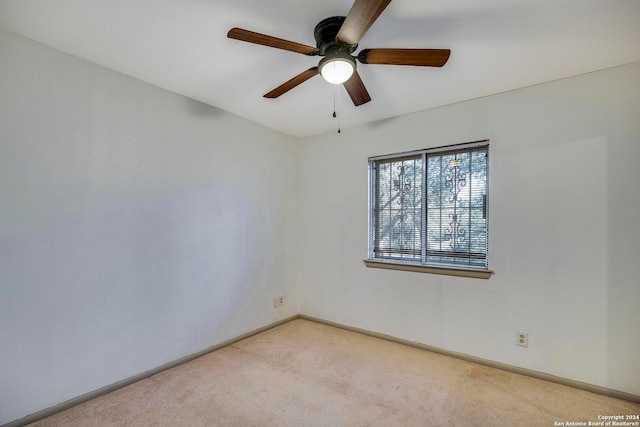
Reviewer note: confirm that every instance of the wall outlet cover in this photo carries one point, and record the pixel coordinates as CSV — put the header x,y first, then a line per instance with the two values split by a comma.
x,y
522,339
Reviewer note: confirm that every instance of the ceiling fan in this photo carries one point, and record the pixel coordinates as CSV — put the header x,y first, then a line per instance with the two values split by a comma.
x,y
337,38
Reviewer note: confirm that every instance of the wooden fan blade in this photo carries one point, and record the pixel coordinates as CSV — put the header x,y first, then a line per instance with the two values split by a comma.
x,y
362,15
418,57
290,84
257,38
356,90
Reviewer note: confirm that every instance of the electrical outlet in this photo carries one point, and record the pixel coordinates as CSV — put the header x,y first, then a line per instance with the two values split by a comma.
x,y
278,301
522,339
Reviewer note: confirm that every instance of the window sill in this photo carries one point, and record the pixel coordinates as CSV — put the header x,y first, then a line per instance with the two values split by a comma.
x,y
418,268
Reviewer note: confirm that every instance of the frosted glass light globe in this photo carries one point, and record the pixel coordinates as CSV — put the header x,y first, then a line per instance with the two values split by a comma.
x,y
337,71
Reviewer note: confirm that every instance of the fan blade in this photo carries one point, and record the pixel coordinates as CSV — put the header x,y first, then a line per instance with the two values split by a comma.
x,y
356,90
418,57
290,84
362,15
257,38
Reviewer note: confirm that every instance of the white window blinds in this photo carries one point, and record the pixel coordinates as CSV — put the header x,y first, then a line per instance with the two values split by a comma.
x,y
430,206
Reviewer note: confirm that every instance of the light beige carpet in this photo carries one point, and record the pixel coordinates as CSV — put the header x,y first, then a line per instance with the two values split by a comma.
x,y
304,373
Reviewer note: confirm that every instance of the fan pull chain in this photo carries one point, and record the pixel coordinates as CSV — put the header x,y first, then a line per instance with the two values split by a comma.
x,y
339,106
336,106
334,102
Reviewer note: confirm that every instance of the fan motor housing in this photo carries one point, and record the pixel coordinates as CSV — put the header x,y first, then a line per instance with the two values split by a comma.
x,y
326,33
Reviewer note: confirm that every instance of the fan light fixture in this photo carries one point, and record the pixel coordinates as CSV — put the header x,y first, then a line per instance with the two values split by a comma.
x,y
337,38
337,66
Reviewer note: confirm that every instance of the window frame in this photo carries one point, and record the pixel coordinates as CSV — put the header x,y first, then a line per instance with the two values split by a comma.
x,y
422,265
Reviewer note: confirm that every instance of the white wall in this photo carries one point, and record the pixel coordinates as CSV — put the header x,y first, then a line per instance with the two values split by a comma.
x,y
564,236
136,227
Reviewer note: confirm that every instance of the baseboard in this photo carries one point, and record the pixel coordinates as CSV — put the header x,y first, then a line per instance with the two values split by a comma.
x,y
486,362
128,381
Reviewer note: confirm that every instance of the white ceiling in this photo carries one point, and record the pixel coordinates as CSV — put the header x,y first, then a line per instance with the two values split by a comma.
x,y
181,45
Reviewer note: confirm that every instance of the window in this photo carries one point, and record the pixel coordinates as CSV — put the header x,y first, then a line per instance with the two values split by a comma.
x,y
428,208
